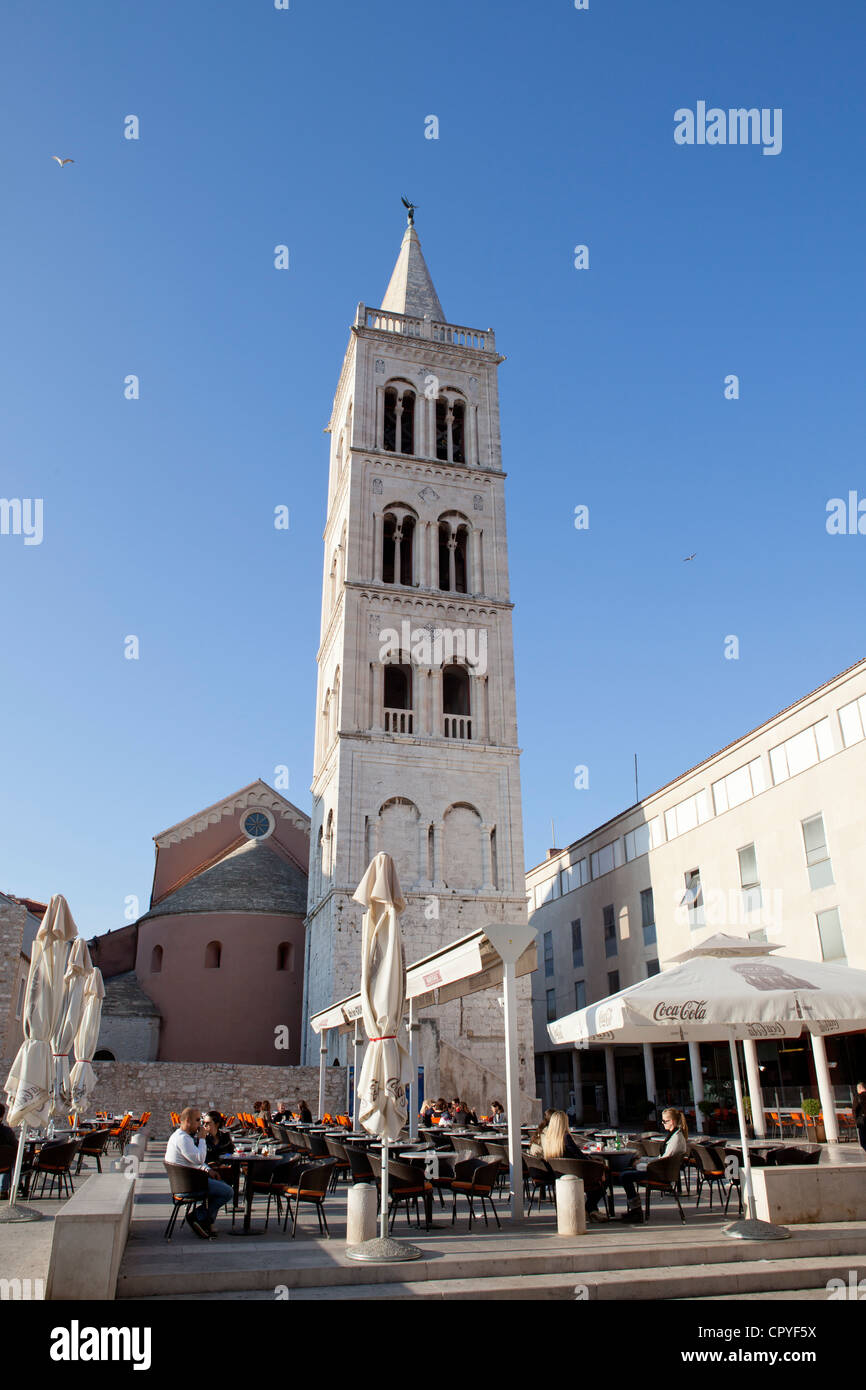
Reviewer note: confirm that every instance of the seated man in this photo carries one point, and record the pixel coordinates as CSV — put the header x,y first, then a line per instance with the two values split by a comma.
x,y
188,1149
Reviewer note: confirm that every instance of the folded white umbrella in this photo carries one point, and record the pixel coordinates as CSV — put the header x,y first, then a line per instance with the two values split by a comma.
x,y
726,987
30,1081
82,1078
78,967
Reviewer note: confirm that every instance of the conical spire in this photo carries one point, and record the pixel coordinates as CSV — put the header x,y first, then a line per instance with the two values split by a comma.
x,y
410,289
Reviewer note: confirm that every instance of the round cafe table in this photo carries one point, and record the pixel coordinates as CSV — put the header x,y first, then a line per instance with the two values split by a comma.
x,y
252,1166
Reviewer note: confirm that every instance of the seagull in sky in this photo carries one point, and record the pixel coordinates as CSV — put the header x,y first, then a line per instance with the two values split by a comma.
x,y
61,162
686,558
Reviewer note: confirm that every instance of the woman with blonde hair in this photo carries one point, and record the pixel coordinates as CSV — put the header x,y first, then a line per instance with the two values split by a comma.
x,y
556,1142
677,1146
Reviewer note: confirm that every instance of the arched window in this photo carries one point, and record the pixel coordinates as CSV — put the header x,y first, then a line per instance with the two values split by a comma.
x,y
451,428
103,1055
212,955
334,709
398,538
156,960
398,435
285,952
398,699
328,854
453,562
456,709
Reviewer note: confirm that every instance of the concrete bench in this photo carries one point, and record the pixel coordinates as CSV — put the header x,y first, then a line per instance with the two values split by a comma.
x,y
810,1193
89,1239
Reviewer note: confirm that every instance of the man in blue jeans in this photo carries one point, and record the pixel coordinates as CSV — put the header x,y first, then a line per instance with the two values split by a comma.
x,y
187,1149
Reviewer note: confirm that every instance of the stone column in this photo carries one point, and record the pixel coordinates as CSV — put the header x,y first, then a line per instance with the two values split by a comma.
x,y
378,696
578,1086
697,1083
825,1089
378,521
433,558
438,827
452,566
475,585
421,567
756,1097
479,707
610,1071
380,416
472,435
436,702
398,441
486,860
398,537
649,1070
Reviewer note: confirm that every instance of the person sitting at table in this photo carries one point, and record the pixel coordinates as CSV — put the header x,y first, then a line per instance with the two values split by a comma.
x,y
443,1110
497,1114
677,1144
428,1109
460,1114
535,1139
305,1114
218,1141
187,1149
283,1113
7,1137
556,1142
859,1112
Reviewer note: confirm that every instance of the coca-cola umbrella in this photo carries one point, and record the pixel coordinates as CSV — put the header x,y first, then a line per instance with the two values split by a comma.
x,y
78,968
726,987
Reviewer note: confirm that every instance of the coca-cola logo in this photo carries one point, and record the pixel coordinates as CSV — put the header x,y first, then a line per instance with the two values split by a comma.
x,y
765,1030
692,1009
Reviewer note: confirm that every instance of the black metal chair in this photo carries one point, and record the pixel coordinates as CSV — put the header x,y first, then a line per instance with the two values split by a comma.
x,y
661,1176
337,1151
359,1164
406,1184
592,1172
318,1147
54,1161
785,1158
479,1183
188,1189
540,1179
709,1170
93,1146
310,1185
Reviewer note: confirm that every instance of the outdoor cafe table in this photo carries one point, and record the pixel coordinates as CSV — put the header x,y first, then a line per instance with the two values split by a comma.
x,y
245,1163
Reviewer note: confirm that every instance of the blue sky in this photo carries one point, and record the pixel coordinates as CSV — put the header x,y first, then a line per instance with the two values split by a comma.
x,y
304,127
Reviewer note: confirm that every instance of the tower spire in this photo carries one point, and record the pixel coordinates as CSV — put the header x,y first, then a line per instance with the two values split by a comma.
x,y
410,289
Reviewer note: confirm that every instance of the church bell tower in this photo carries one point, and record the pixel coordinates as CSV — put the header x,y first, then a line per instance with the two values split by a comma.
x,y
416,730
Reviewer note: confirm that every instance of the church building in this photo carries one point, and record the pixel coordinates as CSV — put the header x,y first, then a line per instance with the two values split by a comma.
x,y
416,732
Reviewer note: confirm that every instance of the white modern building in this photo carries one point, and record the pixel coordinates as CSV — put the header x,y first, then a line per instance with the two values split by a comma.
x,y
765,839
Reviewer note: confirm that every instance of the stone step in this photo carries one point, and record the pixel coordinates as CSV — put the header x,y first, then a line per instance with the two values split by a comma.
x,y
253,1266
752,1279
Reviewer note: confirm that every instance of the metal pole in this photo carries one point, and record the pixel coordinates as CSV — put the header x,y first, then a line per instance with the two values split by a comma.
x,y
413,1089
323,1053
748,1196
19,1158
356,1047
512,1091
383,1188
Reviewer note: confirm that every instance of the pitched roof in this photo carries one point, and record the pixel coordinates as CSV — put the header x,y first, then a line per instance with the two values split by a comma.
x,y
255,793
251,878
125,996
410,289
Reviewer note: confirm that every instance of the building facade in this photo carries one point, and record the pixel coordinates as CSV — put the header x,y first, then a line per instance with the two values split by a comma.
x,y
766,839
416,733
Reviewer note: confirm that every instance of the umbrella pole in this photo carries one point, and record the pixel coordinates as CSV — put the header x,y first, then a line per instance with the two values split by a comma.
x,y
10,1212
383,1204
323,1052
413,1086
748,1227
356,1047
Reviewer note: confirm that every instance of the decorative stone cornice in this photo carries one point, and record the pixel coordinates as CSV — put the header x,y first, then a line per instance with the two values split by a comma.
x,y
424,469
258,794
431,604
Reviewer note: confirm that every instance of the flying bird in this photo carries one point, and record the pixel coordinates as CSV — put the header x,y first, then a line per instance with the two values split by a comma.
x,y
689,557
61,162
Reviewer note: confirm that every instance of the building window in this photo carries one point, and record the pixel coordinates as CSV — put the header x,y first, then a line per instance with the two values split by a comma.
x,y
456,702
695,810
103,1055
580,994
610,942
852,719
637,842
652,968
739,786
577,945
750,883
804,750
693,899
156,960
450,430
213,955
548,953
398,699
284,955
398,536
613,981
545,892
22,985
399,421
648,916
603,860
830,934
818,862
453,568
574,876
551,1004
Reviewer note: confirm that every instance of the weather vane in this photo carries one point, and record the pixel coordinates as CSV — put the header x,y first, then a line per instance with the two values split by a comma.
x,y
410,208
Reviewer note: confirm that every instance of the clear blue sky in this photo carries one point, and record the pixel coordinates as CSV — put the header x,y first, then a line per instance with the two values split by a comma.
x,y
304,127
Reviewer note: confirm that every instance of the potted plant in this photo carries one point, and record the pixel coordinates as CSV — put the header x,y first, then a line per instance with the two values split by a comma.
x,y
747,1108
812,1109
708,1109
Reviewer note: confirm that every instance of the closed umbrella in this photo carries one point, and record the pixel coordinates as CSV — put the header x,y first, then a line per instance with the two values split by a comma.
x,y
382,1105
727,988
82,1078
78,968
31,1077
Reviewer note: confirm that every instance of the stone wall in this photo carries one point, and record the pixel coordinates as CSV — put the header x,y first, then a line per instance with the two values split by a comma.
x,y
165,1086
12,919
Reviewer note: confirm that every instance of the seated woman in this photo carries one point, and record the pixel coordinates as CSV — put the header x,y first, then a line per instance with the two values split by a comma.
x,y
305,1115
674,1122
535,1139
497,1114
218,1141
556,1142
427,1109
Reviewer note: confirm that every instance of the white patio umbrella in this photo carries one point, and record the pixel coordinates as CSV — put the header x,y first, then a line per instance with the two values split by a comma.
x,y
82,1078
727,988
78,968
386,1068
31,1077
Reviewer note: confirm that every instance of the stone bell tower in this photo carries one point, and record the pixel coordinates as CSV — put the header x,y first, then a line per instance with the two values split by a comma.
x,y
416,731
